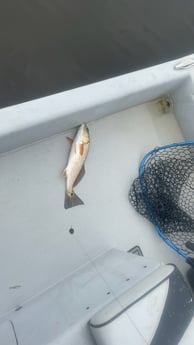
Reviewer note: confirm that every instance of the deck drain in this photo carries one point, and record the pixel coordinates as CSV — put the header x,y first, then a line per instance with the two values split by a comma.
x,y
71,231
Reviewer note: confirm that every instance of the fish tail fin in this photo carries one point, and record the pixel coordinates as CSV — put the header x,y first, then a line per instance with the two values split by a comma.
x,y
72,200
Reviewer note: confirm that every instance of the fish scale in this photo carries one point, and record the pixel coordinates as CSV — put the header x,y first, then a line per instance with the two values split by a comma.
x,y
75,169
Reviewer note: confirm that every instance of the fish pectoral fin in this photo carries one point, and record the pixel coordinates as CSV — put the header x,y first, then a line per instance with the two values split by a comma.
x,y
64,172
80,175
81,149
70,140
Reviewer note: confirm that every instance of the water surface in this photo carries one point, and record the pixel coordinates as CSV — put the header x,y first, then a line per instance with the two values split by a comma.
x,y
49,46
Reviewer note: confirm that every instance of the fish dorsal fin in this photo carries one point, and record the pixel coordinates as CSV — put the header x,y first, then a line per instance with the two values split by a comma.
x,y
80,175
70,140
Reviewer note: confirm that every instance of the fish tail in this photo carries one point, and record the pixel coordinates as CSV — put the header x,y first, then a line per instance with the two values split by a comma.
x,y
72,200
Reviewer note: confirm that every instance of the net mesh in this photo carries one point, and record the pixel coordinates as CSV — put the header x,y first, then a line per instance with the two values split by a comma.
x,y
167,197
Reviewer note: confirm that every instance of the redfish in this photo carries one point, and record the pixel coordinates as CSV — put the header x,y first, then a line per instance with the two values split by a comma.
x,y
75,169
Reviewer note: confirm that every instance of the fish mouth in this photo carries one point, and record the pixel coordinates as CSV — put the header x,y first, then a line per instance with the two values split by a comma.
x,y
85,134
85,128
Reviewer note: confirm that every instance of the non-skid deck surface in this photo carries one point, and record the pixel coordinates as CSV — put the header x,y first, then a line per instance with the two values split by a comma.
x,y
36,248
78,297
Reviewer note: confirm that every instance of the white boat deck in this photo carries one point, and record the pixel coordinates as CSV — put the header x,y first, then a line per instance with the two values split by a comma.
x,y
37,250
42,251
